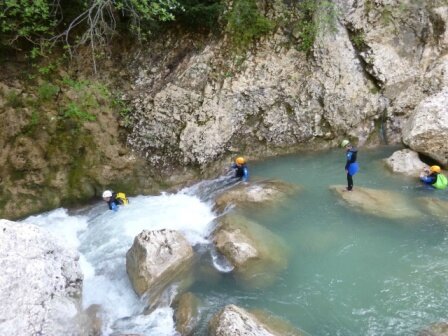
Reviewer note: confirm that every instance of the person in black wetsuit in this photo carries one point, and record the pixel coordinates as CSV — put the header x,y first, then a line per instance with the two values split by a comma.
x,y
113,199
241,171
351,166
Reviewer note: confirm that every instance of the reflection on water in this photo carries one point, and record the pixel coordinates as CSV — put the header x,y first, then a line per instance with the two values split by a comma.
x,y
349,273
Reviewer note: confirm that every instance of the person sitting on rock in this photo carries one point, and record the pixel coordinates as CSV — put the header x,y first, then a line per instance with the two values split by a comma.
x,y
113,199
434,177
351,166
240,168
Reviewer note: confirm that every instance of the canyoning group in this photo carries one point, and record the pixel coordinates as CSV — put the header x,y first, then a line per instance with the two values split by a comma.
x,y
431,176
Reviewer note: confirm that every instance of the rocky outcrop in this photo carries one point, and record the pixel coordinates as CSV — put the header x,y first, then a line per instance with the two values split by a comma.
x,y
157,258
60,145
255,194
187,313
195,106
427,129
233,320
382,203
255,252
406,162
41,283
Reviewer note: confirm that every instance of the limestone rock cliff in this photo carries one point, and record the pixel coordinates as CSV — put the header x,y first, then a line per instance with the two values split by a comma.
x,y
362,80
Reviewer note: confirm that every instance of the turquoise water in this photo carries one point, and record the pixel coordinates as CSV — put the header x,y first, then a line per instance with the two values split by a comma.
x,y
349,273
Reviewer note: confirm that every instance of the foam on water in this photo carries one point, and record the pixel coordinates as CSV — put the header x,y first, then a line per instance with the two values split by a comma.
x,y
103,237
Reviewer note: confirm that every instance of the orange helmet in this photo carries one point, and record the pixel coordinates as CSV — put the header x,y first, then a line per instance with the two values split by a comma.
x,y
435,169
240,160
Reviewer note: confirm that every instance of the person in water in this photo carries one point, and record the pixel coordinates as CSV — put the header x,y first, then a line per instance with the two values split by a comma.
x,y
114,200
434,178
351,166
240,168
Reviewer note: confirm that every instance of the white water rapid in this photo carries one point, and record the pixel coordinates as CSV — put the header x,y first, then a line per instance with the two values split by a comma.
x,y
103,237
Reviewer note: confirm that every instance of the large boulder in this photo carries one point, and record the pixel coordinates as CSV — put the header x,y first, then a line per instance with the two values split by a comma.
x,y
187,313
255,252
435,206
40,283
382,203
157,258
260,194
233,320
427,128
405,162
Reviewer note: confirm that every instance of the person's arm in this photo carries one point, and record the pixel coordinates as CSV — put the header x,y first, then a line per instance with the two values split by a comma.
x,y
245,177
349,158
113,206
427,179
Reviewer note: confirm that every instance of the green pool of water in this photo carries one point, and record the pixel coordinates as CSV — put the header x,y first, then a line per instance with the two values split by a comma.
x,y
348,273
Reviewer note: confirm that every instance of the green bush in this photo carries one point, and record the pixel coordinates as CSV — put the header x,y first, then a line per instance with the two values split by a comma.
x,y
24,20
47,91
76,112
245,23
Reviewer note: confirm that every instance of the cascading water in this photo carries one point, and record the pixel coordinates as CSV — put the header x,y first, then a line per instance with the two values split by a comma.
x,y
103,237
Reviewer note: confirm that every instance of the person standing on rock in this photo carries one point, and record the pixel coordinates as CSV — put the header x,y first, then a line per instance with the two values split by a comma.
x,y
113,200
434,177
351,166
240,168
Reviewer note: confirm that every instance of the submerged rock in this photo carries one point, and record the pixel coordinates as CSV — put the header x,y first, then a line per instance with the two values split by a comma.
x,y
187,313
157,258
268,192
41,283
382,203
233,320
438,329
405,162
255,252
435,206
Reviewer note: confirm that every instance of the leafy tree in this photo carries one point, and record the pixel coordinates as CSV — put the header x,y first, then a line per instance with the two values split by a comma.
x,y
26,20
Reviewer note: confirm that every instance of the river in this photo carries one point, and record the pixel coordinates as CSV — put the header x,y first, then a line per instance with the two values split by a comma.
x,y
348,273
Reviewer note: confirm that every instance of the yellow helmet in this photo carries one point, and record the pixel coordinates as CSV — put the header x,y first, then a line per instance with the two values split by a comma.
x,y
435,169
344,143
240,160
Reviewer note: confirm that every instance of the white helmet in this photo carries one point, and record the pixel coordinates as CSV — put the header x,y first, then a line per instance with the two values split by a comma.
x,y
107,193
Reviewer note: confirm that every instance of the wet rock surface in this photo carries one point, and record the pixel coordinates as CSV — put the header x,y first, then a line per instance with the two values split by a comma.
x,y
157,258
255,194
187,313
257,254
435,206
233,320
382,203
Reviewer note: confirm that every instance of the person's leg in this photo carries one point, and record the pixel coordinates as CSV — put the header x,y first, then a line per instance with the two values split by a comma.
x,y
349,182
